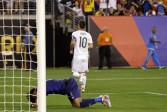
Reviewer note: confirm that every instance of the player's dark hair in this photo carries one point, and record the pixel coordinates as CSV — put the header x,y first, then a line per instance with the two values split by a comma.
x,y
82,24
31,97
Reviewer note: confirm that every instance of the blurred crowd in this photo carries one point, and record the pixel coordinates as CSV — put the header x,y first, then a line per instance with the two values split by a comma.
x,y
117,7
93,7
23,6
17,6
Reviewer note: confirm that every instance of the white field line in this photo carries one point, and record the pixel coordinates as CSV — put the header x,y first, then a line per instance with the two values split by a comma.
x,y
153,78
159,94
103,79
152,93
115,93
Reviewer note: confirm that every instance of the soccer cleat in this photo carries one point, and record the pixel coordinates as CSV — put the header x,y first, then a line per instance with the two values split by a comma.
x,y
161,67
143,67
83,89
106,100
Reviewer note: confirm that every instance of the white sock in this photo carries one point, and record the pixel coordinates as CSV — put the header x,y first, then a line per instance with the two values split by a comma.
x,y
83,81
76,74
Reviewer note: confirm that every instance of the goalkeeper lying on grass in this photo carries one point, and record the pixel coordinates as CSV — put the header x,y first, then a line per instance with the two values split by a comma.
x,y
70,88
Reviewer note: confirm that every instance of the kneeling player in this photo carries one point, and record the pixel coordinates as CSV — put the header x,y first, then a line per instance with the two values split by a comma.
x,y
70,88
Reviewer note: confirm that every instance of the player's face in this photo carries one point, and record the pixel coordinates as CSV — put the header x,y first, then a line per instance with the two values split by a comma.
x,y
154,30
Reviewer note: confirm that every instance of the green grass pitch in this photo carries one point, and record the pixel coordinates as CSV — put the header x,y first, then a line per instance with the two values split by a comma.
x,y
130,90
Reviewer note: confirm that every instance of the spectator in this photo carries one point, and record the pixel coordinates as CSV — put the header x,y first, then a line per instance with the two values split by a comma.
x,y
60,7
161,9
132,11
97,2
69,3
88,10
19,6
111,12
112,3
154,4
103,4
146,6
137,4
120,10
151,13
9,6
165,3
78,8
140,13
100,12
126,5
105,41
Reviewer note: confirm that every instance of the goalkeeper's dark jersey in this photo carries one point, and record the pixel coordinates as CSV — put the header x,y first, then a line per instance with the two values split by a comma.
x,y
54,86
67,87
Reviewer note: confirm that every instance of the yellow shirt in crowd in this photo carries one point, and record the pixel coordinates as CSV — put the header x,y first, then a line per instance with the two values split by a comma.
x,y
88,7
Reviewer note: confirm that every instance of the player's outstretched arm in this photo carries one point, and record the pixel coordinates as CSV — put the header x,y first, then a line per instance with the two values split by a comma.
x,y
32,97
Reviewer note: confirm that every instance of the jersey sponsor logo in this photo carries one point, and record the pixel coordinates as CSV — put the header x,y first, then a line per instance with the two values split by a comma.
x,y
107,39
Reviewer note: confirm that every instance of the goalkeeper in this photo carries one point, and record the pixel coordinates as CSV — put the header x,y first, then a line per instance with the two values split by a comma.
x,y
70,88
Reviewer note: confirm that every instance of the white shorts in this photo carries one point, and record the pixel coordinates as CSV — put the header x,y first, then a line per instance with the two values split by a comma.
x,y
80,65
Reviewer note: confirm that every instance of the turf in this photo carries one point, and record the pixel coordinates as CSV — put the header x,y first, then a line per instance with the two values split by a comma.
x,y
130,90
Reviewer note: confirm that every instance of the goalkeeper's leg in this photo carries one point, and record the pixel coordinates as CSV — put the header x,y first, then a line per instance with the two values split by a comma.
x,y
81,103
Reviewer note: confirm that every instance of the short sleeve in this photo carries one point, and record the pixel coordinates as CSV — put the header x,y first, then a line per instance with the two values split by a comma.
x,y
74,35
90,39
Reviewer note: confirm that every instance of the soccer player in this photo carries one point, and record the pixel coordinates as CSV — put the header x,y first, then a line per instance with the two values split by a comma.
x,y
151,50
81,42
67,87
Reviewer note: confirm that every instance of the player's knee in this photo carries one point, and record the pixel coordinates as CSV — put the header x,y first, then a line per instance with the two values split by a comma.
x,y
76,102
77,105
76,74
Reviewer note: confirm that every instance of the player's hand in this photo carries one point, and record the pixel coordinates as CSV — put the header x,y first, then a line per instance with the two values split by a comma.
x,y
158,42
156,47
34,105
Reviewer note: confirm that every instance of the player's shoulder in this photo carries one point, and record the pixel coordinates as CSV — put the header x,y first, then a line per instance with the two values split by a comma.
x,y
152,35
88,34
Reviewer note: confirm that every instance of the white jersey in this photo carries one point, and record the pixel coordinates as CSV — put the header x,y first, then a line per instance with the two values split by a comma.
x,y
82,39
